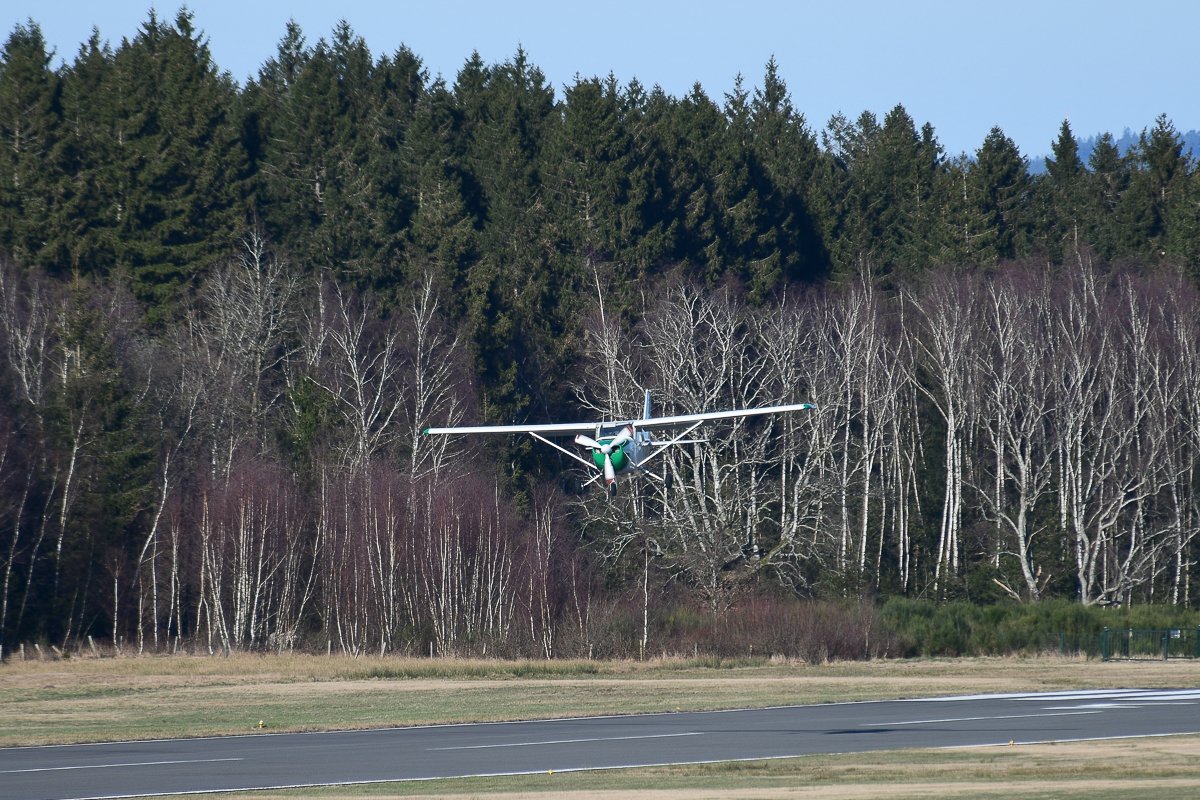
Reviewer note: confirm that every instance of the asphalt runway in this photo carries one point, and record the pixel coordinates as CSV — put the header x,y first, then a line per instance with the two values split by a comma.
x,y
267,761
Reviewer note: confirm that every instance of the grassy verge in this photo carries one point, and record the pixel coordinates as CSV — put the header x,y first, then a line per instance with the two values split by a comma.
x,y
1094,770
83,700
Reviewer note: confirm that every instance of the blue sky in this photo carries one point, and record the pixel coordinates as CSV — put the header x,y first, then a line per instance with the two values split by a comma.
x,y
964,66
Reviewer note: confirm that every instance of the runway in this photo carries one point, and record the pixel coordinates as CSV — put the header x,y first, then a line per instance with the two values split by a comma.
x,y
267,761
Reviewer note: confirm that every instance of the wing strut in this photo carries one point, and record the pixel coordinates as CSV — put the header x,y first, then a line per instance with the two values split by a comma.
x,y
583,461
662,447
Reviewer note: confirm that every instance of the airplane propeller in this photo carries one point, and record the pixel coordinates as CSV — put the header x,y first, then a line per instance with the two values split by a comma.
x,y
618,441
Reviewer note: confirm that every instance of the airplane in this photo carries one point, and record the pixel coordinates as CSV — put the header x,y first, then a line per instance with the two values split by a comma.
x,y
625,445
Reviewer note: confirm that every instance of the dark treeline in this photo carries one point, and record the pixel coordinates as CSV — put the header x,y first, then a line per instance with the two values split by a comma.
x,y
228,312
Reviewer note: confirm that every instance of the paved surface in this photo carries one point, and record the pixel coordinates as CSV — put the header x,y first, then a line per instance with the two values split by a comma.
x,y
306,759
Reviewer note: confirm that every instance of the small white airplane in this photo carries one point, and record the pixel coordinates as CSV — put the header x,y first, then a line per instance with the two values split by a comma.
x,y
625,445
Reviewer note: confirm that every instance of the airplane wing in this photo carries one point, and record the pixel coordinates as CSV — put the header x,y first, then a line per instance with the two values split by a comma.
x,y
653,424
563,429
660,423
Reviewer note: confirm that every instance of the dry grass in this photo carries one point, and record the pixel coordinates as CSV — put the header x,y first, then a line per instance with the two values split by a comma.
x,y
157,697
1093,770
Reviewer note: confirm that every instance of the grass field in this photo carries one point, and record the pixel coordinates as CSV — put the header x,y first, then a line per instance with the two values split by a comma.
x,y
106,699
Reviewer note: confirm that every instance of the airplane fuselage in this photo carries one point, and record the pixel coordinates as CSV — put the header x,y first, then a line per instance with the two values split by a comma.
x,y
632,452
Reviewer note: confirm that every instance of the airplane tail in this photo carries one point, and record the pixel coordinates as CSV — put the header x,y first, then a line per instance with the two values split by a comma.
x,y
646,414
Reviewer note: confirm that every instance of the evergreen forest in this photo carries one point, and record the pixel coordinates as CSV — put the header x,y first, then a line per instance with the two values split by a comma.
x,y
228,312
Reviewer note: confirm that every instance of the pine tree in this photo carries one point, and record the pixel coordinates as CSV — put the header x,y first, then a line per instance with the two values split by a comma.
x,y
998,181
961,220
691,134
1106,186
787,151
1065,166
1163,179
521,291
333,186
1060,197
263,98
648,117
748,234
730,220
33,169
443,236
89,246
171,171
892,172
848,147
600,183
398,92
1183,221
933,170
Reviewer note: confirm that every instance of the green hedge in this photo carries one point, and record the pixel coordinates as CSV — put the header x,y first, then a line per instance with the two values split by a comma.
x,y
923,628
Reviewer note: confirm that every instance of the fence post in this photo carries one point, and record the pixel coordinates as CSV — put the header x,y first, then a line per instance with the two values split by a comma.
x,y
1166,645
1104,644
1062,644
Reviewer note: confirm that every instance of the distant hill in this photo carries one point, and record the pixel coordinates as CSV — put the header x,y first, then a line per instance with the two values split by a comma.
x,y
1191,146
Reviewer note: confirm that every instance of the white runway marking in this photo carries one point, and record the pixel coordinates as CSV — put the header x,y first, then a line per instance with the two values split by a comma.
x,y
1117,694
567,741
1087,694
972,719
110,766
1148,704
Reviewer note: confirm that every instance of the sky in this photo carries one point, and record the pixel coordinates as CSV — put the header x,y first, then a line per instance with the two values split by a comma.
x,y
963,66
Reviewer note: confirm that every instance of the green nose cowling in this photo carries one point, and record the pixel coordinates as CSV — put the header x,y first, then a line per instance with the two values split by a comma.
x,y
619,458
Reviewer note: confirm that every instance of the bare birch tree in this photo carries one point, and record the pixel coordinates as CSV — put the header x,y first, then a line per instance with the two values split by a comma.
x,y
702,351
1185,332
431,395
1144,469
28,333
1016,406
363,378
1111,372
946,309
